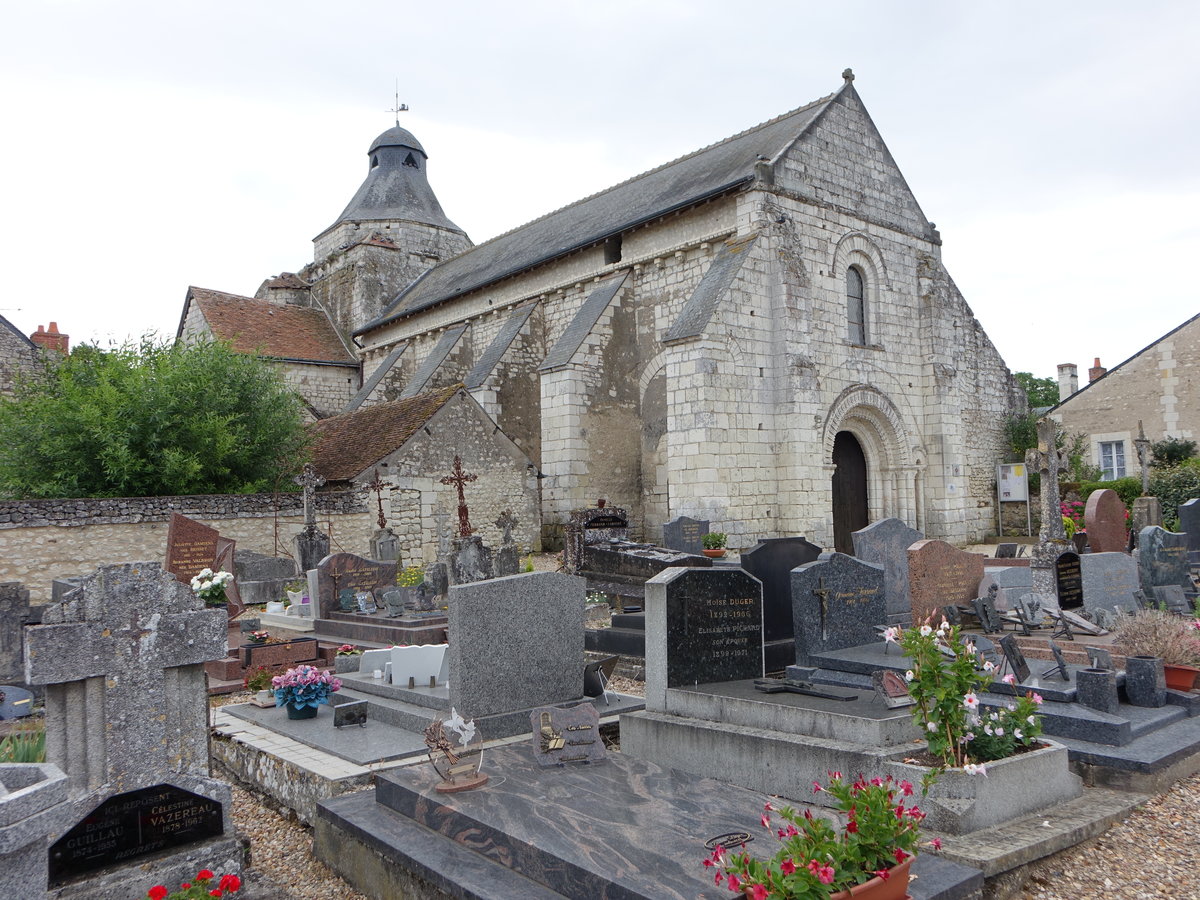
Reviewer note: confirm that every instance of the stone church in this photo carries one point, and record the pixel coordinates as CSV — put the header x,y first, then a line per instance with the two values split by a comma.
x,y
760,333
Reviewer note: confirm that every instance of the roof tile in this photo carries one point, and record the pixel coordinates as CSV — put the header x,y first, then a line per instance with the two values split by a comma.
x,y
258,326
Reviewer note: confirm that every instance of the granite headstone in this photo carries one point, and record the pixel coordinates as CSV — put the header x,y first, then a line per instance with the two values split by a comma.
x,y
837,602
1171,598
771,561
1068,580
886,544
1163,558
14,613
191,547
1105,519
939,574
340,572
1012,583
470,561
1109,580
684,533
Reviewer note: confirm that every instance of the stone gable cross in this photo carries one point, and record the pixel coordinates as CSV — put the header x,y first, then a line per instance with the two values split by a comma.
x,y
507,522
310,481
458,479
1142,444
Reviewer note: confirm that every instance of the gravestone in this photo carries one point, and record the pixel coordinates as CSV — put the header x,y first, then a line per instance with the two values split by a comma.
x,y
1105,520
1163,558
1145,513
516,643
1015,658
1171,598
122,662
1109,580
1052,536
1189,524
1100,658
986,612
470,561
191,547
311,545
385,546
14,613
593,525
346,572
424,665
1006,551
262,578
771,561
1068,580
886,543
684,533
837,602
702,626
508,558
939,574
1012,583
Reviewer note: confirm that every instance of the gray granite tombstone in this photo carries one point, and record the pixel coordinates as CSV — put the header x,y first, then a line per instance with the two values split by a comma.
x,y
14,613
470,561
516,643
837,602
507,561
684,533
1109,580
1163,558
394,603
1171,598
385,546
1068,580
1189,524
771,561
703,625
1012,583
1145,681
885,543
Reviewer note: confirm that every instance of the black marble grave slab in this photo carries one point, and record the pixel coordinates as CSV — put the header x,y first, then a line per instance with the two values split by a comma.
x,y
837,601
1068,580
714,627
771,561
1163,558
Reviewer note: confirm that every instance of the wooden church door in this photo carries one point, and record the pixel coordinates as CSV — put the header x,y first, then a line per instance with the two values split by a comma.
x,y
849,490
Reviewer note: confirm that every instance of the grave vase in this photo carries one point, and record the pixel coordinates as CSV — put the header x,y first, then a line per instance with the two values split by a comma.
x,y
1180,678
301,712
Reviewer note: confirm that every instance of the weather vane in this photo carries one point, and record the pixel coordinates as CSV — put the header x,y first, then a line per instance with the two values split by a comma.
x,y
399,107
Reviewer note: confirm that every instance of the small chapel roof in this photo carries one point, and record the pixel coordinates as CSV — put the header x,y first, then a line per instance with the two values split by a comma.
x,y
348,444
683,182
258,326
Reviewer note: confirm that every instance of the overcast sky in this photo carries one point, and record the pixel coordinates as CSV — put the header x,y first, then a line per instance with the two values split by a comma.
x,y
149,146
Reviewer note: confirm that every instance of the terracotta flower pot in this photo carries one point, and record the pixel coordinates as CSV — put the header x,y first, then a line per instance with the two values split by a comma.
x,y
894,887
1181,678
714,554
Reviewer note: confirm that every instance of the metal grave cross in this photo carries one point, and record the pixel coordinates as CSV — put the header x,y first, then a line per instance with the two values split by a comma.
x,y
458,479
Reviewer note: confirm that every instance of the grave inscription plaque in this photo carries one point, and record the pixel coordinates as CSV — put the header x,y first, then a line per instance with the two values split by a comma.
x,y
939,574
684,533
1068,580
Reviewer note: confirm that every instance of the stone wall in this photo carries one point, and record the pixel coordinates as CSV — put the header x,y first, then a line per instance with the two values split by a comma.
x,y
327,389
41,540
17,358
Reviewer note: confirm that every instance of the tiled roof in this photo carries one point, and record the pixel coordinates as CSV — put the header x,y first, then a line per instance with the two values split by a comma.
x,y
257,326
286,280
353,442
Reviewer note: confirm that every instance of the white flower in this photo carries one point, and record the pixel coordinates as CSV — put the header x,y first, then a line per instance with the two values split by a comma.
x,y
999,731
891,635
973,769
926,631
1017,734
1030,720
989,666
932,726
987,729
908,676
204,573
970,701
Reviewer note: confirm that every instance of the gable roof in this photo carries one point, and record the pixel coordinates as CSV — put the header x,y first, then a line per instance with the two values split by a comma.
x,y
258,326
701,175
352,442
22,336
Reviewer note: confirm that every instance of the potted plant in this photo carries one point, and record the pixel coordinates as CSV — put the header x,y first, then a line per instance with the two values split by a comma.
x,y
1174,639
713,544
346,659
259,681
303,689
209,586
199,887
867,856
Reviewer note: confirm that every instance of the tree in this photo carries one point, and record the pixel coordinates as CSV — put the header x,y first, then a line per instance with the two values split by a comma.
x,y
1171,451
1040,391
150,419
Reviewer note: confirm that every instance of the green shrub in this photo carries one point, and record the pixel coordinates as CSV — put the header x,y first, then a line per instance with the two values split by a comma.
x,y
1173,487
1128,489
1171,451
25,745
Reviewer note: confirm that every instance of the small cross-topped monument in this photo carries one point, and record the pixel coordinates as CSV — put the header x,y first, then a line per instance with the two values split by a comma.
x,y
385,546
508,561
1052,537
311,544
458,478
506,522
1147,510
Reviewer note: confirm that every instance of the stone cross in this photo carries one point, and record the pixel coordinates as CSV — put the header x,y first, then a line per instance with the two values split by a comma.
x,y
823,593
507,522
458,479
1142,444
310,481
376,484
1046,459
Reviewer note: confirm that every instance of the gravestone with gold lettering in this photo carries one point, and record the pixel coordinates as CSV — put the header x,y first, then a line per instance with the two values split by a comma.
x,y
837,602
938,575
192,547
122,661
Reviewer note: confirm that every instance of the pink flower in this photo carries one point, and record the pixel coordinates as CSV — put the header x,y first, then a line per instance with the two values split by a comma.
x,y
1036,698
759,892
936,843
816,787
825,874
1010,678
766,822
792,830
906,788
813,865
787,867
735,884
970,701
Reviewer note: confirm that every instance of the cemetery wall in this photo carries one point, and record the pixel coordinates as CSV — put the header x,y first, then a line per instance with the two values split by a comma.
x,y
41,540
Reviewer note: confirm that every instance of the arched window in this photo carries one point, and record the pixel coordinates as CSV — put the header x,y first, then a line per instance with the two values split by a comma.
x,y
856,306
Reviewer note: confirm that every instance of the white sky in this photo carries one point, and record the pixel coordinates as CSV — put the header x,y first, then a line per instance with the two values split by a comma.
x,y
152,145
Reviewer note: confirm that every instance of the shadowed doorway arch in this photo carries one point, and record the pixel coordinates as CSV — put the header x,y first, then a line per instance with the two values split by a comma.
x,y
849,490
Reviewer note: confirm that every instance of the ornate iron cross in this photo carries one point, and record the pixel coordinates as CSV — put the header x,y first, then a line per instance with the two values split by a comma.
x,y
377,485
458,479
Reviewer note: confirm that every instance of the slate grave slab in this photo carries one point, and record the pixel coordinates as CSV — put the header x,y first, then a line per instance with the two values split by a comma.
x,y
1100,658
1012,582
15,702
1171,597
702,626
1104,517
684,533
939,574
1015,658
1068,580
837,602
338,573
1189,524
771,561
1109,580
516,642
570,735
885,543
1163,558
1006,551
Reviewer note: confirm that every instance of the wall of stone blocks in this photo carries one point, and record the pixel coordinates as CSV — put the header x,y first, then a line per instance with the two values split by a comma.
x,y
17,359
327,389
41,540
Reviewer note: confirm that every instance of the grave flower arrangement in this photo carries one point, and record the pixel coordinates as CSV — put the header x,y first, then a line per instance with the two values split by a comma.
x,y
815,859
259,637
209,586
410,576
945,680
348,650
200,887
1156,632
304,686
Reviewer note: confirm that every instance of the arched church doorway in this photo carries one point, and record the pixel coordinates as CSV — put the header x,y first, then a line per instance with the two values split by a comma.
x,y
849,490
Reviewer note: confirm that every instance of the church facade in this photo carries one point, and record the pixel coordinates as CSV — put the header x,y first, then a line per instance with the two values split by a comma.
x,y
760,333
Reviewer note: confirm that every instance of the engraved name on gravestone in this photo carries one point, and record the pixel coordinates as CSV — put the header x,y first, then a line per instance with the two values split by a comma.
x,y
683,533
1105,518
1109,580
837,602
562,736
939,574
1068,580
340,572
1163,558
191,546
886,543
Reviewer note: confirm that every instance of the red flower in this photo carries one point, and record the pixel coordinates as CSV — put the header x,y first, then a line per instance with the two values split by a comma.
x,y
204,875
759,892
787,867
185,885
231,883
734,884
884,874
215,892
766,822
937,843
900,855
157,892
852,827
825,875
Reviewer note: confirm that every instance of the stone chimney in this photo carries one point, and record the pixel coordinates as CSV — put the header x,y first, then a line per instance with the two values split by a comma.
x,y
1068,380
1096,371
51,339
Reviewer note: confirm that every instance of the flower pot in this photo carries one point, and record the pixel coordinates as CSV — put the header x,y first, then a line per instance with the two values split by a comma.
x,y
275,607
301,712
1180,678
714,554
263,699
894,887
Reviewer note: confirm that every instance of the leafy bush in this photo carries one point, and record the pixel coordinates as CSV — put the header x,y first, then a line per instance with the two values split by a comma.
x,y
1173,487
1021,434
1128,489
714,540
1171,451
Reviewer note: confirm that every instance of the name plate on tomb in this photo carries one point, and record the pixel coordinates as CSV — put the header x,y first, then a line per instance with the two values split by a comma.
x,y
131,825
714,627
563,736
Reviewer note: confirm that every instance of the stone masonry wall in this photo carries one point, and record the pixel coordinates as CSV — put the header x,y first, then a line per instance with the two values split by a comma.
x,y
41,540
326,388
16,358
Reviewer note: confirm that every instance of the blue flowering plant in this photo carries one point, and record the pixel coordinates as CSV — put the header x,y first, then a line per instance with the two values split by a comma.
x,y
304,686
